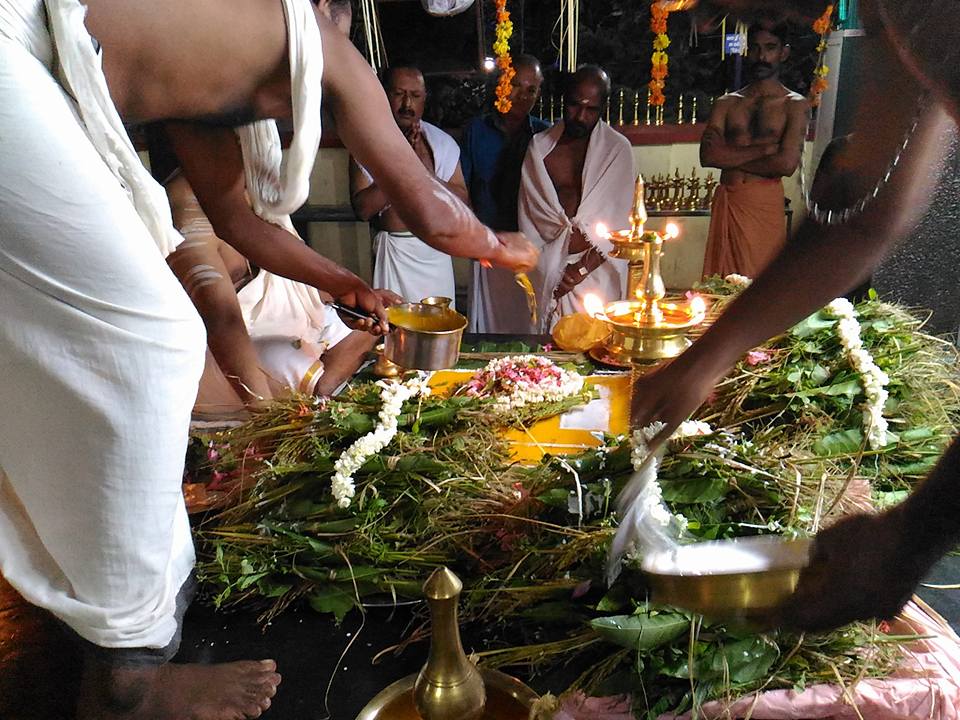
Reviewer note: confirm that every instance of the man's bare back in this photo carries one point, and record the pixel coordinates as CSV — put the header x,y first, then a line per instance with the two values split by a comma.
x,y
179,59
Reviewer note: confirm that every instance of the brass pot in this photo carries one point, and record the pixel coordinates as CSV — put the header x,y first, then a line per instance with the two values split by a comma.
x,y
424,337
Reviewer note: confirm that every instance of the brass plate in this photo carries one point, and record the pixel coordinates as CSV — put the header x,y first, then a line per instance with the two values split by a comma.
x,y
723,591
507,699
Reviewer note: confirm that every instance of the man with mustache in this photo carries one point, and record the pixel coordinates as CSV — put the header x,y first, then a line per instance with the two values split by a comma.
x,y
905,116
576,174
755,136
402,262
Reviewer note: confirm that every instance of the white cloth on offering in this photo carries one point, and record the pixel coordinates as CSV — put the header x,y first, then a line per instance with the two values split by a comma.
x,y
607,196
100,345
404,263
595,415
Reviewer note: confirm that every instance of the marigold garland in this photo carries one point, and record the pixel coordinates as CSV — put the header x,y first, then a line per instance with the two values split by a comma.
x,y
501,48
822,27
659,59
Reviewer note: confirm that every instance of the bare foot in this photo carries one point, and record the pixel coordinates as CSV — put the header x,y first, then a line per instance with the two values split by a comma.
x,y
231,691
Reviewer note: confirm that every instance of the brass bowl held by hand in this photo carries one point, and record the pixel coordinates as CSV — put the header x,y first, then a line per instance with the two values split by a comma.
x,y
507,699
739,579
423,337
437,300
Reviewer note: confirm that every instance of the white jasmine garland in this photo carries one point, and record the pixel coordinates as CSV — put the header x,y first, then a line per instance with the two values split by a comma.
x,y
741,281
519,380
872,378
392,394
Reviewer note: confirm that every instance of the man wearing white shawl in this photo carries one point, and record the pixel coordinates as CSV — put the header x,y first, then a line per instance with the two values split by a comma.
x,y
100,346
402,262
576,174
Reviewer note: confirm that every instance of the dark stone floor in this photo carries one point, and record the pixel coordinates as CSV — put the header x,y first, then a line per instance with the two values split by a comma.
x,y
323,679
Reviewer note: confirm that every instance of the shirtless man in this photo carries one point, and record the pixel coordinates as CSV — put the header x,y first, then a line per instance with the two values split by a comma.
x,y
403,263
102,348
575,175
755,136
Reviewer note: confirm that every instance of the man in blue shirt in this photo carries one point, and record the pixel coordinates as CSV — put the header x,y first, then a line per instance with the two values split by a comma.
x,y
492,152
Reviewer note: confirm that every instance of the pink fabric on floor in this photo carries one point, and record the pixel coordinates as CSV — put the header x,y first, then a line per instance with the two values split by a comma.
x,y
926,686
578,706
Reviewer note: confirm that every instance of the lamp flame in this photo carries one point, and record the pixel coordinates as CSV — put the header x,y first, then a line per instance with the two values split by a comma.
x,y
672,231
602,230
593,305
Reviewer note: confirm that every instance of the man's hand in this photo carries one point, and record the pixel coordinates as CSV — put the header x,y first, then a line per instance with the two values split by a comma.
x,y
388,297
673,391
858,571
514,252
418,142
361,297
573,275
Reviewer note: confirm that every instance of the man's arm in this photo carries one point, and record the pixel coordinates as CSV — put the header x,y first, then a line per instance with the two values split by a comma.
x,y
368,130
213,164
366,197
716,152
784,162
457,185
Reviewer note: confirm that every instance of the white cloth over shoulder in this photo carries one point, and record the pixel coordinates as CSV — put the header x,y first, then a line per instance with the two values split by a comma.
x,y
404,263
607,194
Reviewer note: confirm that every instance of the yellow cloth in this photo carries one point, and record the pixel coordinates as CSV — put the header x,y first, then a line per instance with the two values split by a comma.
x,y
747,228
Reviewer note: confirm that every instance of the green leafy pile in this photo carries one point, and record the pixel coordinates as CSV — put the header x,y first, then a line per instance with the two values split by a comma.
x,y
787,456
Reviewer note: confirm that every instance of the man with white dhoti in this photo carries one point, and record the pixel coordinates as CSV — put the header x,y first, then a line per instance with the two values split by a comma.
x,y
576,174
402,262
100,346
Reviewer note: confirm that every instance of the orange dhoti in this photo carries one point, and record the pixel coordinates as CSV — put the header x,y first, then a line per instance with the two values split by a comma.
x,y
747,228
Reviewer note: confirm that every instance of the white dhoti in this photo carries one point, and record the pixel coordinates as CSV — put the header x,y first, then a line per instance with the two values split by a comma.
x,y
100,346
404,263
409,267
607,195
499,303
101,351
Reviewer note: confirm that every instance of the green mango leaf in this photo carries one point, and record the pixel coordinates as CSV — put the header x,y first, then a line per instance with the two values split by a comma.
x,y
556,497
697,490
914,434
812,325
885,499
641,632
269,590
333,599
845,442
746,660
848,388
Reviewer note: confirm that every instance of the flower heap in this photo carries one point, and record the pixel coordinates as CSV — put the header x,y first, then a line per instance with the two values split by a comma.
x,y
739,281
393,395
659,59
521,380
501,48
821,26
873,379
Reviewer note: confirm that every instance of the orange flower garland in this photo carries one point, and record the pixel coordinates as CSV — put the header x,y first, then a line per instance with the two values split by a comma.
x,y
822,27
659,59
501,48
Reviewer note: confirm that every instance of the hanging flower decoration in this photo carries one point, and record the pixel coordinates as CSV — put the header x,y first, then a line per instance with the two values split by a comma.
x,y
822,27
501,48
659,59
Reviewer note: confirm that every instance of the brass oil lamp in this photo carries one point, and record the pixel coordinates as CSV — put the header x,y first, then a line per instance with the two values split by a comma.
x,y
450,686
646,326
